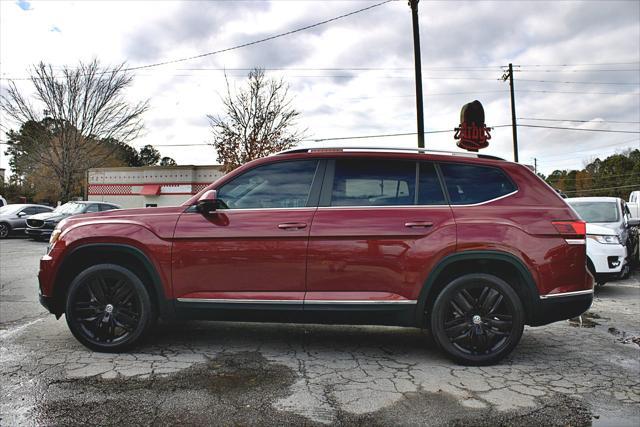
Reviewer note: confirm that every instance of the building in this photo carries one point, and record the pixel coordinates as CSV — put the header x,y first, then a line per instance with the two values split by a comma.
x,y
149,186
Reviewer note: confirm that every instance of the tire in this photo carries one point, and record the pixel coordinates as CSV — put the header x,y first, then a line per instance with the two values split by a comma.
x,y
5,229
477,319
108,308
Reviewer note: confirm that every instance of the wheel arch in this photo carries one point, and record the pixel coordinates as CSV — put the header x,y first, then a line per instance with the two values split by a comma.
x,y
500,264
86,255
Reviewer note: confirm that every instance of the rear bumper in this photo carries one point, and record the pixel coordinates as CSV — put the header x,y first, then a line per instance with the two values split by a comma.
x,y
555,307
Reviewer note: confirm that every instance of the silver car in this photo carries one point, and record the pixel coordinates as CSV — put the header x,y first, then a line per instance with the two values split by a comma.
x,y
13,218
613,213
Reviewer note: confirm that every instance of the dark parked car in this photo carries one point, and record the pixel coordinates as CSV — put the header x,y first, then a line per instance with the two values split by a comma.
x,y
40,226
13,218
471,246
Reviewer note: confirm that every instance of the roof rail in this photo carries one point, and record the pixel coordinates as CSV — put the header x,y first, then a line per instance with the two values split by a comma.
x,y
387,149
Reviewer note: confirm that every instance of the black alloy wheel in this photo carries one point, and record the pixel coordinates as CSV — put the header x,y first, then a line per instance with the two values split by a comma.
x,y
4,230
477,319
108,308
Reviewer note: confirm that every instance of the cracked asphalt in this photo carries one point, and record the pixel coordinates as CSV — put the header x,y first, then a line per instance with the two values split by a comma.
x,y
585,372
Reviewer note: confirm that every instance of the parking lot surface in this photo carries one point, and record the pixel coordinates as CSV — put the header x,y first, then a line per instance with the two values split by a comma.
x,y
569,373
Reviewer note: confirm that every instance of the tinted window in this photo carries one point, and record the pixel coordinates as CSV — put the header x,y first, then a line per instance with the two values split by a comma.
x,y
92,208
107,207
363,182
468,184
43,209
29,211
276,185
429,189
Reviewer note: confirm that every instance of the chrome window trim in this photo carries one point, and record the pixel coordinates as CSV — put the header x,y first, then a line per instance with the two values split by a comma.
x,y
567,294
488,201
296,302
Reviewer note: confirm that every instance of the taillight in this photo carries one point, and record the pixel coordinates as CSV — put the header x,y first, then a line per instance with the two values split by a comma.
x,y
574,231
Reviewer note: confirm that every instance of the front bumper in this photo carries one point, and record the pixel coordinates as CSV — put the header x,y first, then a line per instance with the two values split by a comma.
x,y
39,232
606,259
47,302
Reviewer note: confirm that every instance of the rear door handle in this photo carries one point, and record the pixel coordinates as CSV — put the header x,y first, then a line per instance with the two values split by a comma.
x,y
418,224
292,226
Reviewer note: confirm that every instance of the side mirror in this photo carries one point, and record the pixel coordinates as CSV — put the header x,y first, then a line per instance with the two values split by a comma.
x,y
208,202
21,214
633,222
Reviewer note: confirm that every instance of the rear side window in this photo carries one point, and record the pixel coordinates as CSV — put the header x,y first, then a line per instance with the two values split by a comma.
x,y
359,182
430,191
107,207
469,184
92,208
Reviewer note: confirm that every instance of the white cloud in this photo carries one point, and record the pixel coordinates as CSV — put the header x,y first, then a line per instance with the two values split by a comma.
x,y
338,103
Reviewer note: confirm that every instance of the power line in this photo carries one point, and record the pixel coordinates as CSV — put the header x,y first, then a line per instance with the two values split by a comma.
x,y
603,188
580,129
578,65
583,83
579,92
581,178
576,121
251,43
578,71
339,138
255,42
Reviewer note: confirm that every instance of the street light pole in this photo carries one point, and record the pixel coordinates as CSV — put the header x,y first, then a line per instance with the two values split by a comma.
x,y
418,65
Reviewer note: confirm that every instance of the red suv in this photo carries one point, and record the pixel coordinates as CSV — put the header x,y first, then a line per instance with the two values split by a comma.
x,y
470,246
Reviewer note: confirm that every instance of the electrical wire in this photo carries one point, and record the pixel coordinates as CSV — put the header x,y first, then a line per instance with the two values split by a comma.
x,y
576,121
591,190
580,129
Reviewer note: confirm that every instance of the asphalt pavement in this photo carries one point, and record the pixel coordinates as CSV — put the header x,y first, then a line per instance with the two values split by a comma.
x,y
582,372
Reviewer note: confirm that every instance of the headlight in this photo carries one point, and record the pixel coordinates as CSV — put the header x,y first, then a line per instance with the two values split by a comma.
x,y
54,236
605,240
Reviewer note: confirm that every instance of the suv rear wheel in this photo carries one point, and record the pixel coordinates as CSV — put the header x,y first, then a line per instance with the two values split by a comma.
x,y
477,319
108,308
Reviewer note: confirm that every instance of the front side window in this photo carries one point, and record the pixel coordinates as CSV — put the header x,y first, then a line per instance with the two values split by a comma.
x,y
29,211
363,182
92,208
276,185
470,184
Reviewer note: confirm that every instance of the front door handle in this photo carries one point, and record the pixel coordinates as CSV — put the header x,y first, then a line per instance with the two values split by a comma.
x,y
418,224
292,226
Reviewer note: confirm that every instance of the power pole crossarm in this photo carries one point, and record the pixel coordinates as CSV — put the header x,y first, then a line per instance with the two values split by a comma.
x,y
418,66
514,127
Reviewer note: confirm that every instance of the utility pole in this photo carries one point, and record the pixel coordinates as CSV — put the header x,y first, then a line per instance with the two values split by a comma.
x,y
514,128
418,65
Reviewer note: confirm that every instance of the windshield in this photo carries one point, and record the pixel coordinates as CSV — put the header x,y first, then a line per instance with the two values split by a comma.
x,y
70,208
10,209
596,211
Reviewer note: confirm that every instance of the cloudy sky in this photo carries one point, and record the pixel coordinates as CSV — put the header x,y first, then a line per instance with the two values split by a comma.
x,y
578,64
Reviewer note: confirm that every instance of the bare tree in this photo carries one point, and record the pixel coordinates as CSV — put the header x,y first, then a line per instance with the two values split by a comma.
x,y
82,107
258,120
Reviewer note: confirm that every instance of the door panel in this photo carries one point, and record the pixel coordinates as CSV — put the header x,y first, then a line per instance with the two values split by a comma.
x,y
254,250
241,251
370,240
368,251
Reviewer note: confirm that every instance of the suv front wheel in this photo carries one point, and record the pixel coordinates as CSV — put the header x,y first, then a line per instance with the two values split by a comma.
x,y
477,319
108,308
